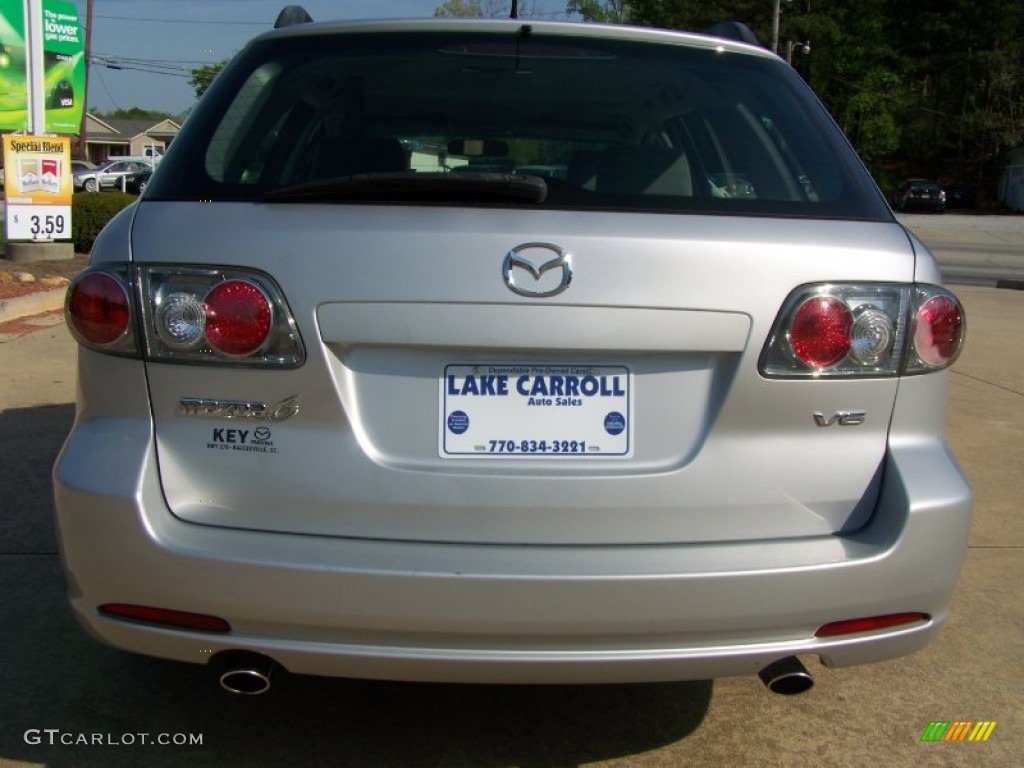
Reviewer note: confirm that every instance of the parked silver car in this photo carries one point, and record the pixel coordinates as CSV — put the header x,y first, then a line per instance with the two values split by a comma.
x,y
358,399
107,176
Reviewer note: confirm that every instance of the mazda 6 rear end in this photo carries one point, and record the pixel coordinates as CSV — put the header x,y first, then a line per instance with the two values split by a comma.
x,y
501,352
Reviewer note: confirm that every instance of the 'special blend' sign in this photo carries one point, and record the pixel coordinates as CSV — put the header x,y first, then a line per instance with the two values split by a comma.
x,y
37,186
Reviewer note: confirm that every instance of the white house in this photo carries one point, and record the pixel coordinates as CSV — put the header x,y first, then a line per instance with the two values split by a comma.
x,y
106,137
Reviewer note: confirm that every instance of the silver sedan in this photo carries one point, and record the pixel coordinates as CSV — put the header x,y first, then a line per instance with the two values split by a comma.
x,y
107,176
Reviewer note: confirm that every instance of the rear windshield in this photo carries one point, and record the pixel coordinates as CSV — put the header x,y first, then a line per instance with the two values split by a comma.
x,y
603,124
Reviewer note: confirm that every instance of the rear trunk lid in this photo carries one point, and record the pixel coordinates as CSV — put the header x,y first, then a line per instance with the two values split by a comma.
x,y
438,404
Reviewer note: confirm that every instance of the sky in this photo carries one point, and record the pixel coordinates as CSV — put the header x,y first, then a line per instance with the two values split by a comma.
x,y
157,43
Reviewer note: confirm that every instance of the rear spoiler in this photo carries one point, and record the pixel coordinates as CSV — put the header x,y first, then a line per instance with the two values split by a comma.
x,y
291,15
733,30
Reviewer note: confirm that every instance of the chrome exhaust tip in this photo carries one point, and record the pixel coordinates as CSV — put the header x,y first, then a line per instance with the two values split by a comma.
x,y
247,674
786,677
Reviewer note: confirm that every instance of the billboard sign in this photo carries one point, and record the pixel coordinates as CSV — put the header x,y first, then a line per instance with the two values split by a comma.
x,y
63,69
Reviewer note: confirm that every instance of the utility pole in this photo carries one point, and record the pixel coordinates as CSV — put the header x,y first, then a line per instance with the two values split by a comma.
x,y
83,146
776,16
34,57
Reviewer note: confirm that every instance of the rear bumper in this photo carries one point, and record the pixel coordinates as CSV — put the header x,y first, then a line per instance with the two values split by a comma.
x,y
523,614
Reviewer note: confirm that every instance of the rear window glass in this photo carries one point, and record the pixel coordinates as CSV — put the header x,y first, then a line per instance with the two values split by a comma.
x,y
607,124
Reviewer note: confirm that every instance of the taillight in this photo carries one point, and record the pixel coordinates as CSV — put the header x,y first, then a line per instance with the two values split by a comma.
x,y
181,320
938,332
217,315
188,314
836,330
98,309
872,336
238,317
820,331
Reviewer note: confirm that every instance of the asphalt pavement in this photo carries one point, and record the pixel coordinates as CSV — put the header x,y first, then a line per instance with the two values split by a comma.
x,y
979,249
69,701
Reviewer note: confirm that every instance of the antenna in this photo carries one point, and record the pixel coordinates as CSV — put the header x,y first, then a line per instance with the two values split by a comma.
x,y
514,13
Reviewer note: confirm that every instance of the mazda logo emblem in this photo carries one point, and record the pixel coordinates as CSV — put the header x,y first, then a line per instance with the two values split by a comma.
x,y
516,267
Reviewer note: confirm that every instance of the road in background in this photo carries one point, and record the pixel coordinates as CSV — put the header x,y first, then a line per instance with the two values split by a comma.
x,y
972,248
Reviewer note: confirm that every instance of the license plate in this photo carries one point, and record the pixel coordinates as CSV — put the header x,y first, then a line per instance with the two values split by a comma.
x,y
530,411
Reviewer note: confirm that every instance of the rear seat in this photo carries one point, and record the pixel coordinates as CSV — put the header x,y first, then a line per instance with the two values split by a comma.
x,y
644,171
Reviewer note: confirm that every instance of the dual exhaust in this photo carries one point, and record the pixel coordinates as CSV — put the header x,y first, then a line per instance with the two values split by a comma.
x,y
246,673
786,677
250,674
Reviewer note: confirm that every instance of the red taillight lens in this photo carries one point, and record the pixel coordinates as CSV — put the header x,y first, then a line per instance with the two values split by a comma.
x,y
186,313
238,317
98,309
820,331
216,316
852,626
860,330
166,617
938,331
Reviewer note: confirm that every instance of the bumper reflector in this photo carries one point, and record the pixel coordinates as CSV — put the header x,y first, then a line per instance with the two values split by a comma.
x,y
852,626
165,617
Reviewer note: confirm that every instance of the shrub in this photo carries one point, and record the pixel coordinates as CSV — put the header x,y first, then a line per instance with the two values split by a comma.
x,y
90,212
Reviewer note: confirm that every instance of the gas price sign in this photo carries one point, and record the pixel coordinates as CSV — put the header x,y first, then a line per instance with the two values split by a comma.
x,y
37,185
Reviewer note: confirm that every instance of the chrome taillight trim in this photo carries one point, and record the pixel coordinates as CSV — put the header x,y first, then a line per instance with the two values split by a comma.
x,y
143,286
125,345
915,363
282,349
899,302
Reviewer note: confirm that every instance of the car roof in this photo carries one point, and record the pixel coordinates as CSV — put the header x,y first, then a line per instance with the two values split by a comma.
x,y
513,26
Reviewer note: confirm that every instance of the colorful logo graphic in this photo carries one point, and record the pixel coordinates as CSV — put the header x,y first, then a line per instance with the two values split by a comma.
x,y
63,67
958,730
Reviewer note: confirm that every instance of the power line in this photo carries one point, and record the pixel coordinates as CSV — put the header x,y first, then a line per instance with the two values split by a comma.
x,y
107,91
116,63
184,21
147,60
113,60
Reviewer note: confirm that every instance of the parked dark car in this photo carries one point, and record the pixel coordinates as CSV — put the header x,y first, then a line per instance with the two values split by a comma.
x,y
135,183
920,195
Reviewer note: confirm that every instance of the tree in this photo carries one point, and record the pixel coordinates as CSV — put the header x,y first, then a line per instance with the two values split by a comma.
x,y
493,9
701,14
454,9
204,75
135,113
605,11
921,87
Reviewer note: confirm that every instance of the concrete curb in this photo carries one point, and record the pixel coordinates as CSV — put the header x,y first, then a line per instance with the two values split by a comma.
x,y
29,252
31,304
